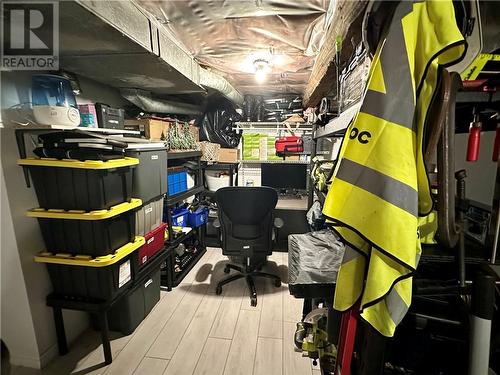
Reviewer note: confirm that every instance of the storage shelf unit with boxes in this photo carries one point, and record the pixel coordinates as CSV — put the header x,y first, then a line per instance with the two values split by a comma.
x,y
161,129
220,165
268,142
184,215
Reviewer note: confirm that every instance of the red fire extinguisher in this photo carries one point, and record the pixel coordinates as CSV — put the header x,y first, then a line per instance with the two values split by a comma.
x,y
474,138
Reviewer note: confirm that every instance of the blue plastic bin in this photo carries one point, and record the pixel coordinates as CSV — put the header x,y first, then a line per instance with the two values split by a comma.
x,y
177,182
180,217
198,217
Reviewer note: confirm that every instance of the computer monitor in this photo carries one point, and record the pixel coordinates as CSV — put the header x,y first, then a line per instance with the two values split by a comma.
x,y
284,177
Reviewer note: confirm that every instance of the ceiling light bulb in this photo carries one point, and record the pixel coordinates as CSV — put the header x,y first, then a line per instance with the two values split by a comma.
x,y
260,76
261,69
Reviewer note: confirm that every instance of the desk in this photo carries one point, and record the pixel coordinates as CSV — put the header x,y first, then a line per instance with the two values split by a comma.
x,y
295,204
293,213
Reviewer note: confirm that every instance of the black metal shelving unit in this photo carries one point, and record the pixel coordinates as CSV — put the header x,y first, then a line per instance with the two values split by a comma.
x,y
190,160
336,127
177,279
212,239
180,197
180,239
232,168
175,155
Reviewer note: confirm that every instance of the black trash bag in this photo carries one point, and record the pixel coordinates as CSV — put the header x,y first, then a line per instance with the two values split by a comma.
x,y
217,124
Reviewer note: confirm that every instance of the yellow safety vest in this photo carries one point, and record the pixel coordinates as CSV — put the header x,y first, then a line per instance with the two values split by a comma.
x,y
380,186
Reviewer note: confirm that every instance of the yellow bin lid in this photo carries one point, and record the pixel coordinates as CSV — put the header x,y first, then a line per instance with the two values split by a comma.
x,y
72,163
87,260
83,215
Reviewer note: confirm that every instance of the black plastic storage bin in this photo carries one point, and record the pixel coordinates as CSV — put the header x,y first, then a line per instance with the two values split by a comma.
x,y
126,314
93,233
103,278
81,185
150,177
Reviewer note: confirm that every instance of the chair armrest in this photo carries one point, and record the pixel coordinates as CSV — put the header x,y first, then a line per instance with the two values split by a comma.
x,y
278,223
216,223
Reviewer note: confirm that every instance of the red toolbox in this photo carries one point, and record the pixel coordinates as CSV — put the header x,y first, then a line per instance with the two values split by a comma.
x,y
289,144
154,243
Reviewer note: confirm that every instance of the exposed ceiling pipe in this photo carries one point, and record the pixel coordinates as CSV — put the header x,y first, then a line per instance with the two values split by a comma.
x,y
146,102
216,82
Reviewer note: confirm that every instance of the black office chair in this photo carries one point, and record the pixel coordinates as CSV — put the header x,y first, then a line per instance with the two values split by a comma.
x,y
247,226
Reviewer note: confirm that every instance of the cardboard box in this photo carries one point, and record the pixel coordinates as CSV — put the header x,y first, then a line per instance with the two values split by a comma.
x,y
251,146
156,130
263,148
210,151
195,131
229,155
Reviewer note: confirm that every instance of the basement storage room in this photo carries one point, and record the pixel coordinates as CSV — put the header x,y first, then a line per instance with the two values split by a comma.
x,y
250,187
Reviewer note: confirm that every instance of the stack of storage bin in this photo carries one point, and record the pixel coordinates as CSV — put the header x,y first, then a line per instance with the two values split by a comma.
x,y
87,219
98,237
150,185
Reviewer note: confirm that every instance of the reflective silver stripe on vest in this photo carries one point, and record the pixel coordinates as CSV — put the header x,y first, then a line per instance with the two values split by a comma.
x,y
350,254
387,188
396,306
417,259
397,103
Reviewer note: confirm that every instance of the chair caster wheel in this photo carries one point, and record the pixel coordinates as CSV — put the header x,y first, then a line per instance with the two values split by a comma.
x,y
277,283
253,301
226,269
218,290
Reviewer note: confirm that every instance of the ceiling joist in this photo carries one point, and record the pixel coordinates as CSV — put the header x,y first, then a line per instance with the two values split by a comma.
x,y
346,24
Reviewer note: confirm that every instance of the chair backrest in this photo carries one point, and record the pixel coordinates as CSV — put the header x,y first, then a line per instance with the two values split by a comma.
x,y
246,218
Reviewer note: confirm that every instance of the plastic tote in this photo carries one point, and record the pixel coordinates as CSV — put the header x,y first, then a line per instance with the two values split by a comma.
x,y
150,176
126,315
198,218
70,184
177,182
155,241
180,217
102,278
149,217
93,233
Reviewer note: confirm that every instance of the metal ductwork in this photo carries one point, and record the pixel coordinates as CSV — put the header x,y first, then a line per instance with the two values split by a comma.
x,y
146,102
120,44
218,83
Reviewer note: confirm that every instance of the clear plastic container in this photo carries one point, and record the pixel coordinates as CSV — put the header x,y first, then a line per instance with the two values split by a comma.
x,y
52,90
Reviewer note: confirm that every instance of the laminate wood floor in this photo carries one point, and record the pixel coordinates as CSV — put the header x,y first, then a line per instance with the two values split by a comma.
x,y
192,331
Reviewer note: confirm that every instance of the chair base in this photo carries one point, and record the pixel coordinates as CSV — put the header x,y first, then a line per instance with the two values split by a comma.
x,y
248,275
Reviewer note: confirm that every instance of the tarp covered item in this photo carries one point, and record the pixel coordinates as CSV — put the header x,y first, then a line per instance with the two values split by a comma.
x,y
314,258
217,124
380,187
